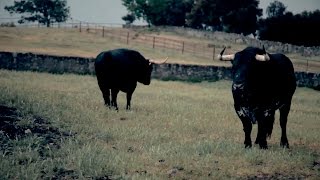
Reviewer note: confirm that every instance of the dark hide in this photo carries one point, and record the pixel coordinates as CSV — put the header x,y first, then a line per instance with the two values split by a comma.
x,y
260,88
120,70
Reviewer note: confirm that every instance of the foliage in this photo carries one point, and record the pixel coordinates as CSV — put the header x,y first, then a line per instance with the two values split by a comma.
x,y
201,14
8,24
228,15
43,11
159,12
276,9
299,29
129,18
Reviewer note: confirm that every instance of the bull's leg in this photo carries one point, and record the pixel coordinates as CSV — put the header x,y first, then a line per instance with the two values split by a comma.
x,y
129,96
269,126
262,133
106,97
284,111
247,126
114,94
104,89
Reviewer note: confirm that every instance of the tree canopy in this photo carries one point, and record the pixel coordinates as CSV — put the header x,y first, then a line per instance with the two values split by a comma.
x,y
276,9
43,11
299,29
229,15
159,12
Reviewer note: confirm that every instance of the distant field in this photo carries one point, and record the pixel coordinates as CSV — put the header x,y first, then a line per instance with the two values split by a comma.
x,y
71,42
175,130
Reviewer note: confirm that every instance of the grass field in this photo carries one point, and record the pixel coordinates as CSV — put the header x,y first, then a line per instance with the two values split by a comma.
x,y
175,130
70,42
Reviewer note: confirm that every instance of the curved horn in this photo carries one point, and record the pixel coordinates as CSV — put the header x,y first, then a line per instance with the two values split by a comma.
x,y
158,62
264,49
264,57
222,57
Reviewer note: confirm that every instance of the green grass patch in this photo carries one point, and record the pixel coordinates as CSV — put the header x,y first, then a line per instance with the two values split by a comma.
x,y
175,129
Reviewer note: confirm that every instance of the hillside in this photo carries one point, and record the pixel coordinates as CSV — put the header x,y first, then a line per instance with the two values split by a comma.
x,y
154,44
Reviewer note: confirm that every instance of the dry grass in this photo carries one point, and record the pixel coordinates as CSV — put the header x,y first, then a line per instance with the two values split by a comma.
x,y
175,129
70,42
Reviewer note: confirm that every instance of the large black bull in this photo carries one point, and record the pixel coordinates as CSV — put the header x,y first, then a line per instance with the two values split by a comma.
x,y
120,70
262,83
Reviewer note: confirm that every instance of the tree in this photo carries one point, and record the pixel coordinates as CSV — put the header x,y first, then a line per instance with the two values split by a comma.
x,y
299,29
43,11
129,18
229,15
276,9
159,12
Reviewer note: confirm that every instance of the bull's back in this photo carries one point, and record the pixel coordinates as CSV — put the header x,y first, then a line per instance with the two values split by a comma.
x,y
114,68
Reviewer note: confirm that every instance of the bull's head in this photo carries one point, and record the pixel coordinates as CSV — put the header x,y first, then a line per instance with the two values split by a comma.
x,y
230,57
244,62
144,76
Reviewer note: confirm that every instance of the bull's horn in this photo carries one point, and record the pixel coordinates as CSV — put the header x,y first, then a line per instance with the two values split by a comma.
x,y
222,57
158,62
264,57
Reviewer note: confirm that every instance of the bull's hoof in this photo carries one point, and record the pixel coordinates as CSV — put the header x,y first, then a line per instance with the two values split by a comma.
x,y
257,141
284,145
263,145
247,144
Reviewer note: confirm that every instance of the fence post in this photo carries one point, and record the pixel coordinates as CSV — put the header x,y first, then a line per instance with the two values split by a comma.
x,y
80,26
182,47
214,52
128,38
88,28
102,31
154,40
307,65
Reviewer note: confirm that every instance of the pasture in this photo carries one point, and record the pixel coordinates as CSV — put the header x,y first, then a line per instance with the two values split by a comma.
x,y
71,42
176,130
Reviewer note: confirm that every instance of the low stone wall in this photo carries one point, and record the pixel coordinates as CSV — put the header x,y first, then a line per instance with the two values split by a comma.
x,y
46,63
78,65
270,46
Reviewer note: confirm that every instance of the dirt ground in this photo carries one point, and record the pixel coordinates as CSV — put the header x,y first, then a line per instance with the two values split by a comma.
x,y
12,128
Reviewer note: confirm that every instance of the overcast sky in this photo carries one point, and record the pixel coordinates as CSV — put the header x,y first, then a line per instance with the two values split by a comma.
x,y
111,11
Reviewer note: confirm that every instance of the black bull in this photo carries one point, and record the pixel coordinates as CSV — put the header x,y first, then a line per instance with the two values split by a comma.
x,y
262,83
120,70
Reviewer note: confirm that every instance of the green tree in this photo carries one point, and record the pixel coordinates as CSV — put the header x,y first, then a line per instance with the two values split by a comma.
x,y
300,29
43,11
159,12
129,18
275,9
229,15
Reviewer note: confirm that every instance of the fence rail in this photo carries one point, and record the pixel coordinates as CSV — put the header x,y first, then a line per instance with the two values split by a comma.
x,y
127,36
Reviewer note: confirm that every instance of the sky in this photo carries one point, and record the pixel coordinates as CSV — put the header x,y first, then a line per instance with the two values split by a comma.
x,y
112,11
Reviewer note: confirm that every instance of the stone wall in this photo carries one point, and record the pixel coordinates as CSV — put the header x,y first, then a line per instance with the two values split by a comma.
x,y
78,65
270,46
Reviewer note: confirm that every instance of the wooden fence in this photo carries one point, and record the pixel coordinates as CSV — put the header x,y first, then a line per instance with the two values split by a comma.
x,y
127,36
